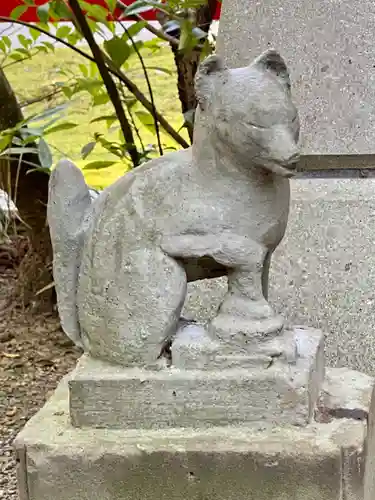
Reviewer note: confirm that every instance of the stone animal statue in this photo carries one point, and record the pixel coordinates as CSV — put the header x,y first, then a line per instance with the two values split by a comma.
x,y
122,260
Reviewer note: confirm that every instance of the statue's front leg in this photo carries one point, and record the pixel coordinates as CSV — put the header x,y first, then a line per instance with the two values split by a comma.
x,y
244,314
245,317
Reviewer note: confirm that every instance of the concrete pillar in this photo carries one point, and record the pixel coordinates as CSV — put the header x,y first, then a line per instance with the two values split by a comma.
x,y
329,48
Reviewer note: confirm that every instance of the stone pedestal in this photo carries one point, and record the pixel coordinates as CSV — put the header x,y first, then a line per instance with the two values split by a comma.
x,y
224,390
260,433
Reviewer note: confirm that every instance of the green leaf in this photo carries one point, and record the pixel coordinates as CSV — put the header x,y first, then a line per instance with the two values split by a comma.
x,y
35,34
68,92
93,25
63,31
93,69
49,46
44,153
60,10
137,8
16,56
134,29
60,127
51,122
28,2
43,12
118,50
7,41
30,139
187,40
130,101
91,85
44,26
18,11
140,6
41,48
111,5
189,4
16,141
100,99
83,69
146,119
96,165
73,39
112,27
96,11
31,131
5,141
24,52
37,168
110,119
154,44
25,42
87,149
135,47
2,46
47,113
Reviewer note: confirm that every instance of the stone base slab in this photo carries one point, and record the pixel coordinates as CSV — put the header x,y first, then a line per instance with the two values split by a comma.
x,y
323,461
109,396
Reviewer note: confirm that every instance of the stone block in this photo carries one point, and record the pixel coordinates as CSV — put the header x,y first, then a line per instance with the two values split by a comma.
x,y
347,393
332,70
323,461
279,393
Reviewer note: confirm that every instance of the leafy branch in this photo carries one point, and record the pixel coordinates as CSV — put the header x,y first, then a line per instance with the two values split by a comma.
x,y
145,72
159,33
108,82
129,84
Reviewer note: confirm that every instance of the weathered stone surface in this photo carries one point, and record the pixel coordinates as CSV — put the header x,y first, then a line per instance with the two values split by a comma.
x,y
369,480
193,349
347,393
219,208
104,395
319,462
323,272
331,54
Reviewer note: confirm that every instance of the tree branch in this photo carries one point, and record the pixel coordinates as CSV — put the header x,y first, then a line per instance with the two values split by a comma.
x,y
149,27
132,87
40,98
145,72
107,79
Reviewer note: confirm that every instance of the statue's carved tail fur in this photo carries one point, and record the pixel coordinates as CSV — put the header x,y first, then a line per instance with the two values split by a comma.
x,y
69,207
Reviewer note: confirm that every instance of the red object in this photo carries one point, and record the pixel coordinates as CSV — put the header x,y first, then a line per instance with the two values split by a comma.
x,y
6,7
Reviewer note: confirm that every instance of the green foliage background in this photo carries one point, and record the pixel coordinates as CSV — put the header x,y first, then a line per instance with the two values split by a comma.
x,y
34,76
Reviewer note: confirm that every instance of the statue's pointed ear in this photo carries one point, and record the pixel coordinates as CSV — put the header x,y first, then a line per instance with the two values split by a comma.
x,y
211,67
272,61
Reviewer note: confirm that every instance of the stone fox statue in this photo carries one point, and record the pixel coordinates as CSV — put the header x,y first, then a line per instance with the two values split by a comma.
x,y
122,261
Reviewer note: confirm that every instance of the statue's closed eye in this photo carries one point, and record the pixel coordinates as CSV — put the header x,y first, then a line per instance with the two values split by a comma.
x,y
255,125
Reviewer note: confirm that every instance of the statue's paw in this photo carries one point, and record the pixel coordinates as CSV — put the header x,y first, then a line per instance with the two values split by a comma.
x,y
243,332
253,342
244,308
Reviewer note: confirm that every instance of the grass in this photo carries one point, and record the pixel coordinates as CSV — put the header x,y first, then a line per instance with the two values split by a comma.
x,y
32,77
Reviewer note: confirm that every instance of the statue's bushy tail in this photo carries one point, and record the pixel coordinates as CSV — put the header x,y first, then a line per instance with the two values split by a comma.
x,y
69,204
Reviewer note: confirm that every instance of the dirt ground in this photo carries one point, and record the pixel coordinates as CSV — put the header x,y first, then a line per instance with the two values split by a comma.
x,y
34,356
